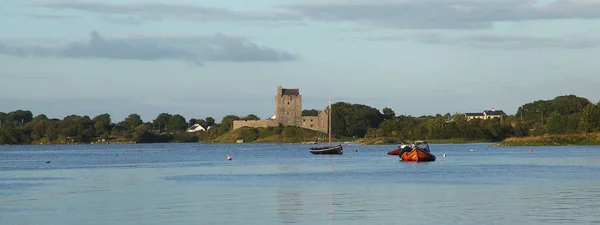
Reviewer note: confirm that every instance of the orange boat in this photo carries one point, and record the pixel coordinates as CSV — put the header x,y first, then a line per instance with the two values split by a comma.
x,y
418,153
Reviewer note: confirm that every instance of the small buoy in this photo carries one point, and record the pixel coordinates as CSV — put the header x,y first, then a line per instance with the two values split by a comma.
x,y
228,157
471,150
47,161
116,155
356,150
444,155
530,150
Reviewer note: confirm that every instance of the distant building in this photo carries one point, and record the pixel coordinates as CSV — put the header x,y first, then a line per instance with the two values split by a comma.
x,y
471,116
486,114
195,128
288,112
490,114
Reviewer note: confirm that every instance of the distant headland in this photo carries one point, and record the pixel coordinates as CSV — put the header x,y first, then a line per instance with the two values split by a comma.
x,y
564,120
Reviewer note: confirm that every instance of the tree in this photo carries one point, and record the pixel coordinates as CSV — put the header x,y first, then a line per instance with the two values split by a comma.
x,y
388,113
52,130
176,122
21,116
7,137
371,133
310,112
209,121
573,121
388,127
451,130
161,121
436,127
40,117
142,134
102,123
248,134
354,119
591,118
132,121
556,123
568,104
537,129
38,129
252,117
520,129
227,123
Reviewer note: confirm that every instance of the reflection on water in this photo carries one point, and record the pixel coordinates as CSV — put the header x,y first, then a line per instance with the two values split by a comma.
x,y
289,205
330,207
284,184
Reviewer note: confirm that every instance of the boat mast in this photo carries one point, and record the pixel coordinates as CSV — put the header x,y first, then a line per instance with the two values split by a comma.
x,y
329,129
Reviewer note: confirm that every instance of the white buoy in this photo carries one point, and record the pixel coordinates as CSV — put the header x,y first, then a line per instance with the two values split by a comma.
x,y
444,155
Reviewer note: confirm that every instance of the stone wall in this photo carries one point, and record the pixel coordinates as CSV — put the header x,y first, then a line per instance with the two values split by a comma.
x,y
318,123
254,123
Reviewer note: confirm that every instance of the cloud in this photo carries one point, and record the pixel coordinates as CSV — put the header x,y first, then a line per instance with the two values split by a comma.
x,y
444,14
195,49
52,16
397,14
127,12
27,76
497,41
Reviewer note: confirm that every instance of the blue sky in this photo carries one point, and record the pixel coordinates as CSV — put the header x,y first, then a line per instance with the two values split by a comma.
x,y
214,58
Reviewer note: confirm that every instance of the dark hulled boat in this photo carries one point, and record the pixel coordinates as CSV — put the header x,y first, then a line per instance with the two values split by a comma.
x,y
328,149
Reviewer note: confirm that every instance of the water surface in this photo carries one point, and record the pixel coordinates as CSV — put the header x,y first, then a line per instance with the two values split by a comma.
x,y
285,184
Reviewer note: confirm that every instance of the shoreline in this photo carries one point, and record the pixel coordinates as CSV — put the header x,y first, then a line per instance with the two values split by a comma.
x,y
587,139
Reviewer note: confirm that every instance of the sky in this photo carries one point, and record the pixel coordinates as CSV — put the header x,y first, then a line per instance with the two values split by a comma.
x,y
201,58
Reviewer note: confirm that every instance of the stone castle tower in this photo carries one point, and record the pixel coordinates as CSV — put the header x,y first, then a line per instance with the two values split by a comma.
x,y
288,106
288,112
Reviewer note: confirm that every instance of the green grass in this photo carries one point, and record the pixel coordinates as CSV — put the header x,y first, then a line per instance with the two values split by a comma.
x,y
553,140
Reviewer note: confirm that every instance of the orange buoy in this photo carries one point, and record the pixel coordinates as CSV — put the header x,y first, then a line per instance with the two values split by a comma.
x,y
228,157
530,150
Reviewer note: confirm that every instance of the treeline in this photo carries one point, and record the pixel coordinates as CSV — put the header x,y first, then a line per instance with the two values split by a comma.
x,y
20,127
355,120
562,115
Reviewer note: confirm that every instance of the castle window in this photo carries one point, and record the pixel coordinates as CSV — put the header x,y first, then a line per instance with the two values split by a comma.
x,y
288,103
303,120
311,126
310,120
288,113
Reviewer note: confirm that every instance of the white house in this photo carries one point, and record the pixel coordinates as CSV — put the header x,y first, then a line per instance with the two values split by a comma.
x,y
486,114
195,128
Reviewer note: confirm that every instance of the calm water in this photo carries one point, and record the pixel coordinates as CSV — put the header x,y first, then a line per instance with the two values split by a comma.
x,y
285,184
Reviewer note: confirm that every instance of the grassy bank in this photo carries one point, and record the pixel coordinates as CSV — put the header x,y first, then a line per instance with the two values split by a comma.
x,y
553,140
286,134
